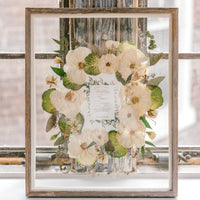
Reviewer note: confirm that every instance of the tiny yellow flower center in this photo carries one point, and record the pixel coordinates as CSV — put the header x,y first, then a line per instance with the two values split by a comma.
x,y
135,100
81,65
132,66
69,95
108,64
84,145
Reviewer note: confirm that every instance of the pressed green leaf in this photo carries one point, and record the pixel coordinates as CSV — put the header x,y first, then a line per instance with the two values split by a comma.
x,y
156,97
58,42
142,152
146,123
119,78
156,81
149,143
80,120
46,102
129,78
125,45
113,148
68,84
149,152
61,51
53,137
66,41
91,64
154,59
59,141
51,122
58,71
63,125
91,144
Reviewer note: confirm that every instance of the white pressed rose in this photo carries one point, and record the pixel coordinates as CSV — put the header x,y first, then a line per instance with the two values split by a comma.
x,y
68,103
133,61
108,64
61,88
130,119
78,148
131,138
75,61
138,95
100,137
111,45
75,74
77,57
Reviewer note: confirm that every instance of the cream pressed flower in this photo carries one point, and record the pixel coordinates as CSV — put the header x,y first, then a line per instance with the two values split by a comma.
x,y
137,95
102,158
68,103
131,138
78,148
108,64
75,61
133,61
152,113
51,80
112,45
58,60
130,119
152,135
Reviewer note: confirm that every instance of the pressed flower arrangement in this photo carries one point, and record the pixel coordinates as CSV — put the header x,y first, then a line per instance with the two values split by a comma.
x,y
140,97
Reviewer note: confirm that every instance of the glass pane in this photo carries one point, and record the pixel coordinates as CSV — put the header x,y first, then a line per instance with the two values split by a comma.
x,y
103,104
12,23
12,103
189,23
189,107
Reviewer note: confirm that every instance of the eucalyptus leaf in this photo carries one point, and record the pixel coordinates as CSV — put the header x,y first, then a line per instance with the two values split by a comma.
x,y
58,42
156,81
91,144
149,143
146,123
59,141
46,102
80,120
142,152
61,51
58,71
149,152
119,78
51,122
53,137
154,59
68,84
129,78
66,41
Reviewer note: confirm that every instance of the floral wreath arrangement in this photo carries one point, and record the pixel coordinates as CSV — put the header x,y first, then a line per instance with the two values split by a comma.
x,y
140,98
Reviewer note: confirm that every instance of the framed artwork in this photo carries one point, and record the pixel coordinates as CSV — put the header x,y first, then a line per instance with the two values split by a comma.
x,y
105,98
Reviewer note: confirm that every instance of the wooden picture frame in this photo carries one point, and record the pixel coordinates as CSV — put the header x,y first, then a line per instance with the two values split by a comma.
x,y
172,14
